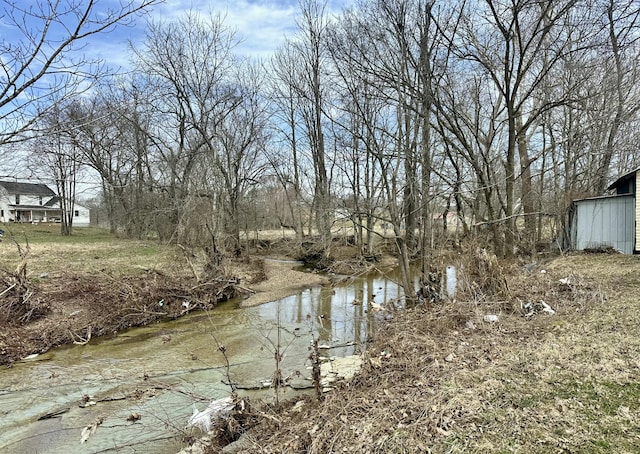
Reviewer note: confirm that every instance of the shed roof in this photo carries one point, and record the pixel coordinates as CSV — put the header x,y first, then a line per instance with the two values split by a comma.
x,y
603,197
14,187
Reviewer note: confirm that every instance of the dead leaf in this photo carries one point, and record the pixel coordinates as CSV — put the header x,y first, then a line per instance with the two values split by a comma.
x,y
90,430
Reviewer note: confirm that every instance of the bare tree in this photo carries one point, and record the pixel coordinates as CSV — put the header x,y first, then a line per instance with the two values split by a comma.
x,y
42,58
235,152
190,64
209,149
285,154
311,49
385,55
111,133
57,151
516,45
621,83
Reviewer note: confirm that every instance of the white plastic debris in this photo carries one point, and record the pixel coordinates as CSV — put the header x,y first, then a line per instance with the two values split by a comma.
x,y
546,308
530,309
452,281
565,281
202,419
490,318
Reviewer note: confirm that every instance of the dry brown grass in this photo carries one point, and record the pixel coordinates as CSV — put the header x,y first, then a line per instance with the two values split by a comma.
x,y
439,379
115,257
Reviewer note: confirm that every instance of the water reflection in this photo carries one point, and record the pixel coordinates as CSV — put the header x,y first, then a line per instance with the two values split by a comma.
x,y
341,316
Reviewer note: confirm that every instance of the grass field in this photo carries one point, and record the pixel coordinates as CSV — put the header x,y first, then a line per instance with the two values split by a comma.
x,y
89,250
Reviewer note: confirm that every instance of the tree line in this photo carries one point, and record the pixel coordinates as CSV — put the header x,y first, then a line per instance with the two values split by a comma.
x,y
420,117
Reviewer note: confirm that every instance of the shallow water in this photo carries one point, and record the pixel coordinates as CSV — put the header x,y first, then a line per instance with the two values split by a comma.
x,y
158,372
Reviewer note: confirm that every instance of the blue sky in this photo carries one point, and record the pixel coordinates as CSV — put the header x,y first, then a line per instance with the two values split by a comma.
x,y
262,25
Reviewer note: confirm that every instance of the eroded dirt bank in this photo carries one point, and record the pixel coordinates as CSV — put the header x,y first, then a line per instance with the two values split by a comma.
x,y
66,308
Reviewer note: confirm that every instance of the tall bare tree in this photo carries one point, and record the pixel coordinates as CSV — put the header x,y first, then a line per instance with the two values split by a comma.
x,y
620,83
385,55
285,154
57,151
311,87
516,45
190,63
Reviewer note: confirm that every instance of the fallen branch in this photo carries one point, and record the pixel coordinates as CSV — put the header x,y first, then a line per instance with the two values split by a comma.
x,y
8,289
54,414
82,341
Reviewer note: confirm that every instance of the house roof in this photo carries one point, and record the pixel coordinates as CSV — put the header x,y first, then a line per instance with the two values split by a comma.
x,y
52,202
14,187
622,178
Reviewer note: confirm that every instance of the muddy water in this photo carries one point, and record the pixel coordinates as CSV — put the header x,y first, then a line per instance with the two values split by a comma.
x,y
140,386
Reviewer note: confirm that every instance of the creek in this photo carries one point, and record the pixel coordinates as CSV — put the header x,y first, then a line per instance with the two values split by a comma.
x,y
138,387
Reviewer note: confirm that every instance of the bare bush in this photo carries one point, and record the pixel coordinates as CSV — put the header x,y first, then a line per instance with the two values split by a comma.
x,y
17,302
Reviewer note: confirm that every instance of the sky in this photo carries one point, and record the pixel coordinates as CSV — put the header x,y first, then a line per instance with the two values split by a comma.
x,y
261,24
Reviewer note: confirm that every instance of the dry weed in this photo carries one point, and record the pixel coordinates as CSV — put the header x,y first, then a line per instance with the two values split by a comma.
x,y
441,379
95,305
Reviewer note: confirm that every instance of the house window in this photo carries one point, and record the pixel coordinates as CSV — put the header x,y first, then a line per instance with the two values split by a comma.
x,y
40,200
76,213
1,213
17,199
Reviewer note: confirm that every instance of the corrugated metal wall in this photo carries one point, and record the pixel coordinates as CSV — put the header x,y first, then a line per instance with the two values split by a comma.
x,y
608,221
637,224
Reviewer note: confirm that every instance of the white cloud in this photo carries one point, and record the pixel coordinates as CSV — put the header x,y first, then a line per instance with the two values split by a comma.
x,y
261,24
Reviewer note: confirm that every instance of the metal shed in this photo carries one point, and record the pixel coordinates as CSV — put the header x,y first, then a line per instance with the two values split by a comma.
x,y
605,221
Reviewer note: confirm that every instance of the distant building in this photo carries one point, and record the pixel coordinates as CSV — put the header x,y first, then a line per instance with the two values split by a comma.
x,y
610,220
34,203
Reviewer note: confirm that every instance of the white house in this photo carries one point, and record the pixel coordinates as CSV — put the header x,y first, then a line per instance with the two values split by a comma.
x,y
33,203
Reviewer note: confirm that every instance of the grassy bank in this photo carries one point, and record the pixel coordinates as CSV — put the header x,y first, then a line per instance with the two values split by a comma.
x,y
88,250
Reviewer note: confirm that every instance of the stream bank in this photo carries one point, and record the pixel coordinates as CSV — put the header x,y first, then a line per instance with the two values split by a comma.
x,y
71,308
